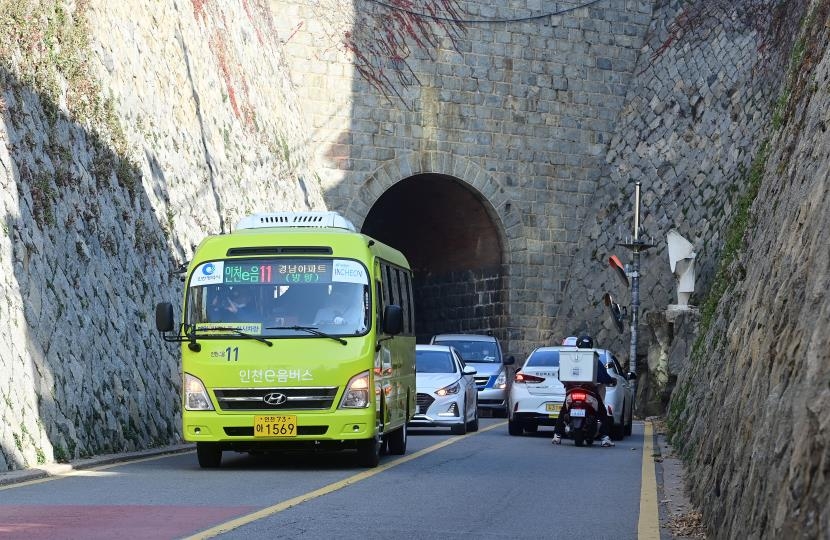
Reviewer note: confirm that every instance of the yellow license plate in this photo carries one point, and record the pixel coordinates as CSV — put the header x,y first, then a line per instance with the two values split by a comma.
x,y
284,425
553,409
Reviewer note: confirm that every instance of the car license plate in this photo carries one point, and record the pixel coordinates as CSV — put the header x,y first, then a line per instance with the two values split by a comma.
x,y
578,413
553,409
284,425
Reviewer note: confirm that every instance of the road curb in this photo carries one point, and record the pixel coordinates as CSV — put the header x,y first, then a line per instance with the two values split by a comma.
x,y
673,502
60,469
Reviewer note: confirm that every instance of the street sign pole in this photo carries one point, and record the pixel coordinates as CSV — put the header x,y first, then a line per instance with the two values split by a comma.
x,y
636,246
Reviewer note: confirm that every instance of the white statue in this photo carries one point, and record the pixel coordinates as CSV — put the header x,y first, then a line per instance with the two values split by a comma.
x,y
682,261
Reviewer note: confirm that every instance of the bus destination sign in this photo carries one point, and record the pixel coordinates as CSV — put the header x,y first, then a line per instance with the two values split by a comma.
x,y
277,272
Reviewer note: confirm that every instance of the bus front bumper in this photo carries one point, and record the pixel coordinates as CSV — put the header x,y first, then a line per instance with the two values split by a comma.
x,y
343,425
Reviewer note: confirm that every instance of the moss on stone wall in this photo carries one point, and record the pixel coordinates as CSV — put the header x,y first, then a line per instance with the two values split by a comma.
x,y
737,415
804,51
728,272
46,48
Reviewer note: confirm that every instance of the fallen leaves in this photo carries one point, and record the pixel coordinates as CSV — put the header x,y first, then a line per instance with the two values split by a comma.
x,y
688,525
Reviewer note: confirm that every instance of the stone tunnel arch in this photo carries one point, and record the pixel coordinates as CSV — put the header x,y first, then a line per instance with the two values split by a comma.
x,y
452,237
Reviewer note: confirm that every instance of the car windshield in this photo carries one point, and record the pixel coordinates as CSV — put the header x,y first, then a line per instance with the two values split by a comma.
x,y
474,351
280,298
434,362
543,358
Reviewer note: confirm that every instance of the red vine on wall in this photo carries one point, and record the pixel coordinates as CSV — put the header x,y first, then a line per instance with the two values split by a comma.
x,y
383,36
210,14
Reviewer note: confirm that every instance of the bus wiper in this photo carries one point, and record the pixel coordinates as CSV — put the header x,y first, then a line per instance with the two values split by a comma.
x,y
239,332
310,330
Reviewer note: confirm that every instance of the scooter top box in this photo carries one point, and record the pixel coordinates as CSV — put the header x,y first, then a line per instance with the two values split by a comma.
x,y
578,365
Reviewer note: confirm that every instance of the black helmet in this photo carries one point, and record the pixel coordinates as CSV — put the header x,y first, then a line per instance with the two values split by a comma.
x,y
585,342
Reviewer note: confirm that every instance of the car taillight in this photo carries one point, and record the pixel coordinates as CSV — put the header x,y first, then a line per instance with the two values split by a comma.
x,y
525,378
579,396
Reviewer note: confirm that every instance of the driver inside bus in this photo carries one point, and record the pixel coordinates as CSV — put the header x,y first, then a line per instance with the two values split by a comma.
x,y
239,305
343,306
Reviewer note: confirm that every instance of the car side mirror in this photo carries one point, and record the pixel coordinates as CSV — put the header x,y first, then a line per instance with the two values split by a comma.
x,y
632,376
164,317
509,361
470,370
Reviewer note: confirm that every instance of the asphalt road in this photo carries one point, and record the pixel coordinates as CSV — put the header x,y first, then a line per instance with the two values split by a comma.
x,y
482,485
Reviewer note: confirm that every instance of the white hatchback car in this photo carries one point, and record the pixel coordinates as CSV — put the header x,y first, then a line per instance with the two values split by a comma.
x,y
447,394
536,395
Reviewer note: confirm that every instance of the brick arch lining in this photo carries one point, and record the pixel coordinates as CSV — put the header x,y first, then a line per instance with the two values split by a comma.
x,y
449,217
499,205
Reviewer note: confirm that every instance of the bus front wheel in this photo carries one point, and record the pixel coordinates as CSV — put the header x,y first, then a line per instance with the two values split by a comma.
x,y
209,454
368,452
397,441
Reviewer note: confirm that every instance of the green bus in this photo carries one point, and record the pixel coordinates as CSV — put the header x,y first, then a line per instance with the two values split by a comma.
x,y
297,332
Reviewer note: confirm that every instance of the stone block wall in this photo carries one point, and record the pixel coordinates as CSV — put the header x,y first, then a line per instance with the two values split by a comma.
x,y
520,108
750,412
154,125
693,121
470,303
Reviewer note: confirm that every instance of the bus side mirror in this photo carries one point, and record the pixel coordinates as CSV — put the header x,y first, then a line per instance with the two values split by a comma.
x,y
392,320
164,317
509,361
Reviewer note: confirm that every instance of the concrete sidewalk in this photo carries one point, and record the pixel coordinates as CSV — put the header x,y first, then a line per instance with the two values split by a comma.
x,y
679,519
58,469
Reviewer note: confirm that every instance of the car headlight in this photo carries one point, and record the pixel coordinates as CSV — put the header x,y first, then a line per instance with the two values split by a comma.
x,y
447,390
501,381
195,396
356,395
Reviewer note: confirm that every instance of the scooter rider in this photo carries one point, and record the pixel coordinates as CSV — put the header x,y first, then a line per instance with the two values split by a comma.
x,y
603,378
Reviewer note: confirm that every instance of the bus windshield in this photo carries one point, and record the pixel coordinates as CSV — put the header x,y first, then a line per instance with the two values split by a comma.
x,y
280,297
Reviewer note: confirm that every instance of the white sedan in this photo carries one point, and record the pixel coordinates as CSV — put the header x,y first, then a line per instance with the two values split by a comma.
x,y
536,395
447,394
619,398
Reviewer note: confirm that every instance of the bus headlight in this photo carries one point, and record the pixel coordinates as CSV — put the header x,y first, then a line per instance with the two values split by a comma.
x,y
195,396
356,395
501,381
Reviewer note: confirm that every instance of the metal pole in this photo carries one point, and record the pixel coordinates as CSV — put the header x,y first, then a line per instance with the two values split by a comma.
x,y
636,246
635,288
636,212
635,315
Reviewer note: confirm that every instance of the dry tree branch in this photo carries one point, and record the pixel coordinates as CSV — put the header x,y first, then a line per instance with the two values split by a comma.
x,y
384,35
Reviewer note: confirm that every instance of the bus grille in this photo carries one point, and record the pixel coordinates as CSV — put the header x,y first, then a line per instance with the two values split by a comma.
x,y
275,399
481,382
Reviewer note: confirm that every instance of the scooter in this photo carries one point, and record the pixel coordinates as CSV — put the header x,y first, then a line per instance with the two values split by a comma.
x,y
580,413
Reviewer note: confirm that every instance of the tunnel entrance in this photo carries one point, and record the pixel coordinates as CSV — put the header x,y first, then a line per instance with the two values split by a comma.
x,y
447,232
